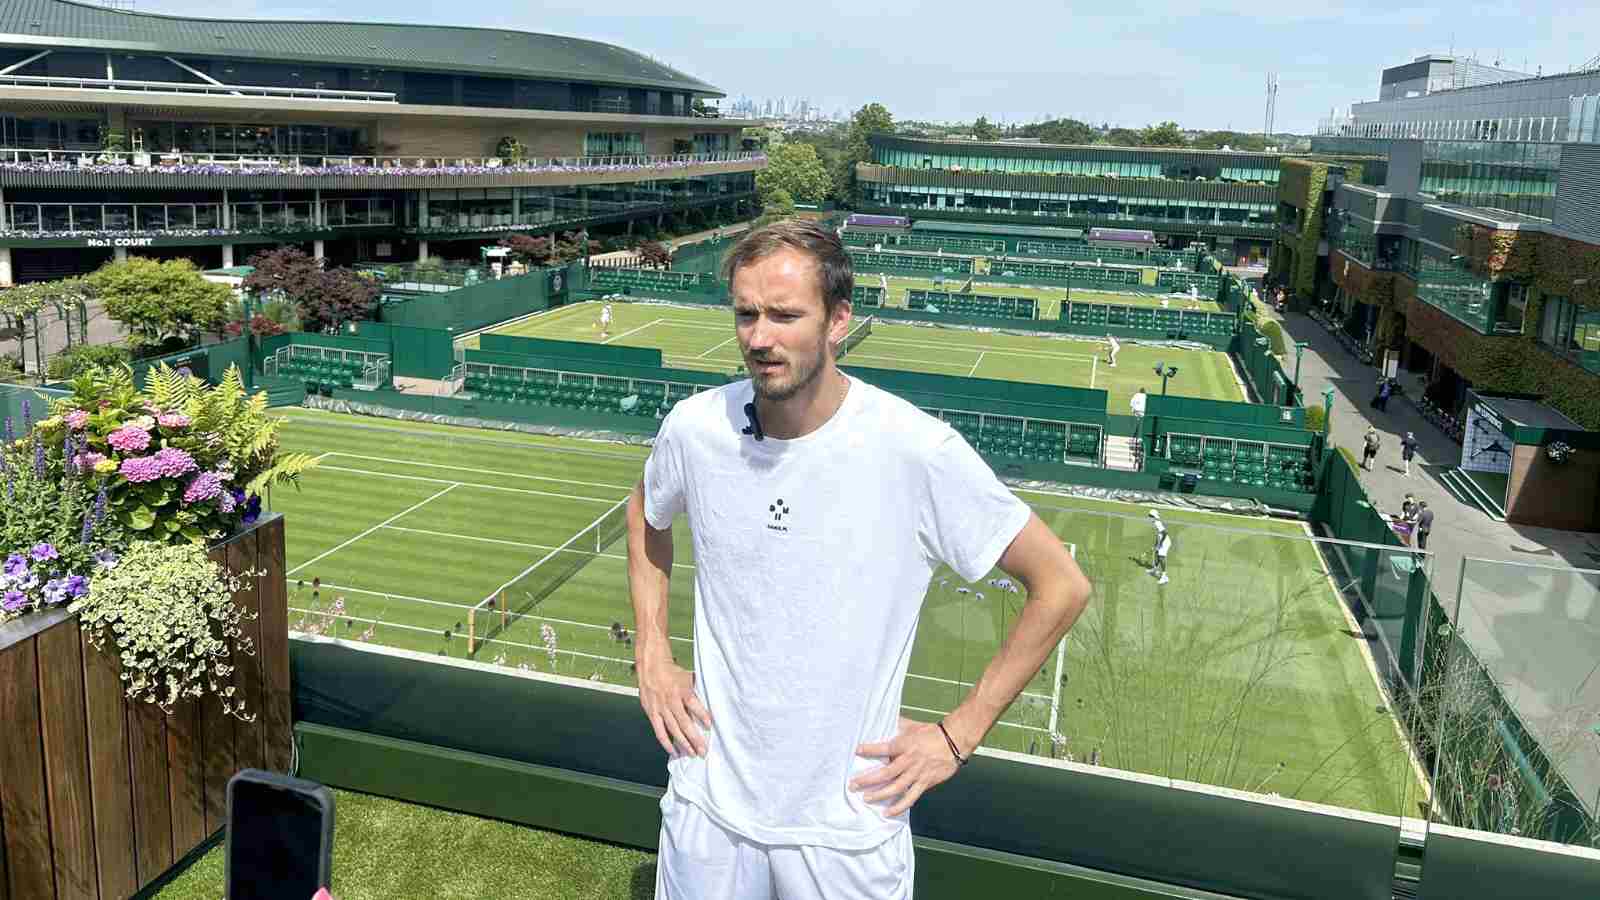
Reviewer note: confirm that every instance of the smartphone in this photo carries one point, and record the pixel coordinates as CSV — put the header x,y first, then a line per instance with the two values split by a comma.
x,y
280,837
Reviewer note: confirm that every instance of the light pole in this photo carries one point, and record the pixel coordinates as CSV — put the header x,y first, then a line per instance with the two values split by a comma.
x,y
1299,351
249,342
1165,371
1327,412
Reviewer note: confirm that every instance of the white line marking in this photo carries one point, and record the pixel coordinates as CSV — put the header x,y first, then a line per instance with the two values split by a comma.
x,y
1093,368
412,508
313,418
717,347
881,339
486,540
471,484
543,559
407,462
630,331
545,314
389,596
977,364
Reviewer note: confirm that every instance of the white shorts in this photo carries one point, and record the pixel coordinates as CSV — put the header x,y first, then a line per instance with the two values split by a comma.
x,y
701,859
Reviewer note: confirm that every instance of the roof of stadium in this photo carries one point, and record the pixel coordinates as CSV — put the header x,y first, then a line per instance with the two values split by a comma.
x,y
445,48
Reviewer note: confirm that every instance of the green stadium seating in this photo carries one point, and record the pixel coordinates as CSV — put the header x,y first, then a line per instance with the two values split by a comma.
x,y
645,281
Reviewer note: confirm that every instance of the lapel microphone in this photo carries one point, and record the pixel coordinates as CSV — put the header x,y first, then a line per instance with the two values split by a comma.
x,y
754,428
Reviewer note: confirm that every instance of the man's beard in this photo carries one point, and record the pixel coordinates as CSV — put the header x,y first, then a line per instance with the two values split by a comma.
x,y
800,374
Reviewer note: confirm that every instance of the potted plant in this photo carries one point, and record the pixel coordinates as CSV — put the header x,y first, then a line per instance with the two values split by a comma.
x,y
110,502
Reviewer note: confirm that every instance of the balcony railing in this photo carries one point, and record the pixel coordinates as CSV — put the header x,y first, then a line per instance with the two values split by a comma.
x,y
184,162
179,87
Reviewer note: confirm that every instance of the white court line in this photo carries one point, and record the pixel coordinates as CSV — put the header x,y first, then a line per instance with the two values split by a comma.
x,y
543,559
407,462
880,339
471,484
390,596
486,540
412,508
718,347
905,359
314,418
546,315
1093,368
978,363
630,331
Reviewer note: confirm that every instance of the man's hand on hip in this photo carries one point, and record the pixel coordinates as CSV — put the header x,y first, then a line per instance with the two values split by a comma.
x,y
666,691
918,759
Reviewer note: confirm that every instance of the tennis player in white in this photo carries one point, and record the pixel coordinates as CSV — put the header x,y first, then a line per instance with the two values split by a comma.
x,y
605,320
820,507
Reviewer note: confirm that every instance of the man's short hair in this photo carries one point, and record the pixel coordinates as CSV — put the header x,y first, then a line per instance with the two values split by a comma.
x,y
834,273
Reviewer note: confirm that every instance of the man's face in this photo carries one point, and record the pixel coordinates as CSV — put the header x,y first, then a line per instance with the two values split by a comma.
x,y
782,327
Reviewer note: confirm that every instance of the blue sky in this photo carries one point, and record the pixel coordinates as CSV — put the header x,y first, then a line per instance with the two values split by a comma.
x,y
1202,63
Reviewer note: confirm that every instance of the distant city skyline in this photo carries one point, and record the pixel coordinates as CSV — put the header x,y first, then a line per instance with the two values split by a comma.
x,y
1203,66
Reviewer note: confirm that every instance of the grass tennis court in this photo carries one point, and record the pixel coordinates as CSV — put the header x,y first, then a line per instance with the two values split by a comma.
x,y
703,339
1240,672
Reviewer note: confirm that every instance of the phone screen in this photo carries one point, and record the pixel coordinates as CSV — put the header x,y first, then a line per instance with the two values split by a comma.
x,y
274,848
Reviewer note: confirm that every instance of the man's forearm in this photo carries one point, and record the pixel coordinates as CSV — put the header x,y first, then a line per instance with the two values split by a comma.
x,y
1046,618
649,580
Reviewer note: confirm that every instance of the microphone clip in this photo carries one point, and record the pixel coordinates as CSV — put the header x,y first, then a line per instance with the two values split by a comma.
x,y
754,428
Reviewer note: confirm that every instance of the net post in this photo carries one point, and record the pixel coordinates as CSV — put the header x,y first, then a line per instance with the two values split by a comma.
x,y
504,617
472,630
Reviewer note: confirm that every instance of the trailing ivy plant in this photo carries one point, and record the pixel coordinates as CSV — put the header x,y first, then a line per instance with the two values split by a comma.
x,y
169,612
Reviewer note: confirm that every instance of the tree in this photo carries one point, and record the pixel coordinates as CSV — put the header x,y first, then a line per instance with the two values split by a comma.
x,y
1123,137
1061,131
18,306
1216,140
867,121
794,168
160,301
984,131
284,272
655,255
549,250
1167,134
343,296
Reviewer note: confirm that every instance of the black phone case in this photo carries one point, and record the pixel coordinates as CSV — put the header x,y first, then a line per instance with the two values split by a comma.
x,y
319,794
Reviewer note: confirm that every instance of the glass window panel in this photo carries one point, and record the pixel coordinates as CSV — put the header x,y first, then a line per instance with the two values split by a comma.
x,y
150,216
55,216
24,217
119,216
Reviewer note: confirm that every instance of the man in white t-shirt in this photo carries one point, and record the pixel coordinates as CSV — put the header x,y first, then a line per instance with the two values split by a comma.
x,y
820,507
1136,404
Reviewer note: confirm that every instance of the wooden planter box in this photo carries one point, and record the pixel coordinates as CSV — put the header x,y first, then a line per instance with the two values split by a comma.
x,y
99,796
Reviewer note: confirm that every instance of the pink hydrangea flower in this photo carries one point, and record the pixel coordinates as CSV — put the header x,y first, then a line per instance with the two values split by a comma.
x,y
173,420
77,419
204,486
129,439
174,462
140,469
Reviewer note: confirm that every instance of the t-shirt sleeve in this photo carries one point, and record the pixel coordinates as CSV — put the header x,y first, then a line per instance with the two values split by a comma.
x,y
665,484
968,517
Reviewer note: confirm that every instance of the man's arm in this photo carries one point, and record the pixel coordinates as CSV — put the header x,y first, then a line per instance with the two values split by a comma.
x,y
666,690
919,758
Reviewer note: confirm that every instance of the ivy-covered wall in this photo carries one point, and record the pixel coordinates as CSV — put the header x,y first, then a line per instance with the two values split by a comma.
x,y
1373,288
1300,184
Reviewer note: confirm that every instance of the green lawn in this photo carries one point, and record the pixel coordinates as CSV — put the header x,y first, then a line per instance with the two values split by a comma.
x,y
703,339
1238,673
383,849
1049,297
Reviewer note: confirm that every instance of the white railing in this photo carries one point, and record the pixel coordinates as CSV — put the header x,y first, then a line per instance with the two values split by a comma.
x,y
248,162
181,87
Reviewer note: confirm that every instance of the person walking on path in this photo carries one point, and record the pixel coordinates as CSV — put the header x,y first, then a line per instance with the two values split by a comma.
x,y
1408,450
821,506
1136,403
1369,447
1424,524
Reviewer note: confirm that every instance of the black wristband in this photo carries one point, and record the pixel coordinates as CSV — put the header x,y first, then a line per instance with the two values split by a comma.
x,y
954,751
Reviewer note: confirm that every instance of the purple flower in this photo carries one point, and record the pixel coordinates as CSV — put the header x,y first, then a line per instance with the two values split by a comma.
x,y
204,486
11,434
77,419
252,510
129,439
43,551
226,502
16,566
105,559
14,601
55,590
38,459
88,530
77,585
140,469
100,504
174,462
27,415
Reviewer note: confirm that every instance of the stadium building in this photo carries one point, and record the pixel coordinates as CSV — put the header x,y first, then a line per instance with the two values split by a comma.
x,y
210,139
1226,199
1475,258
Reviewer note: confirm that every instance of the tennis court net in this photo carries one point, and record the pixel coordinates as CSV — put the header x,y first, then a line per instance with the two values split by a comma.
x,y
522,594
856,336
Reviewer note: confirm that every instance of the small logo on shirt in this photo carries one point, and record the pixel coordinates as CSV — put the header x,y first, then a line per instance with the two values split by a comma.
x,y
778,511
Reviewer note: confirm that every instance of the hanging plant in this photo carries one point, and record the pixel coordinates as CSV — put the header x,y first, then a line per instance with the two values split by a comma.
x,y
1558,451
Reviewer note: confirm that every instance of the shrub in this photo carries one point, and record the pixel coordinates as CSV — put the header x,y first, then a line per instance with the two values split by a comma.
x,y
74,361
1274,333
1315,418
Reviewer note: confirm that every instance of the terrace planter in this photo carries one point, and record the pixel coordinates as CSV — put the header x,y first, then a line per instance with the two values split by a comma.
x,y
99,797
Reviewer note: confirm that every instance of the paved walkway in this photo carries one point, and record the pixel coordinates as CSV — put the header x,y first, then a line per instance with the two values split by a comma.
x,y
1459,530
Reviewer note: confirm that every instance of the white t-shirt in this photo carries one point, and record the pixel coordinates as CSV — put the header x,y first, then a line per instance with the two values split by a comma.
x,y
1136,403
605,313
1115,345
1163,541
812,558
